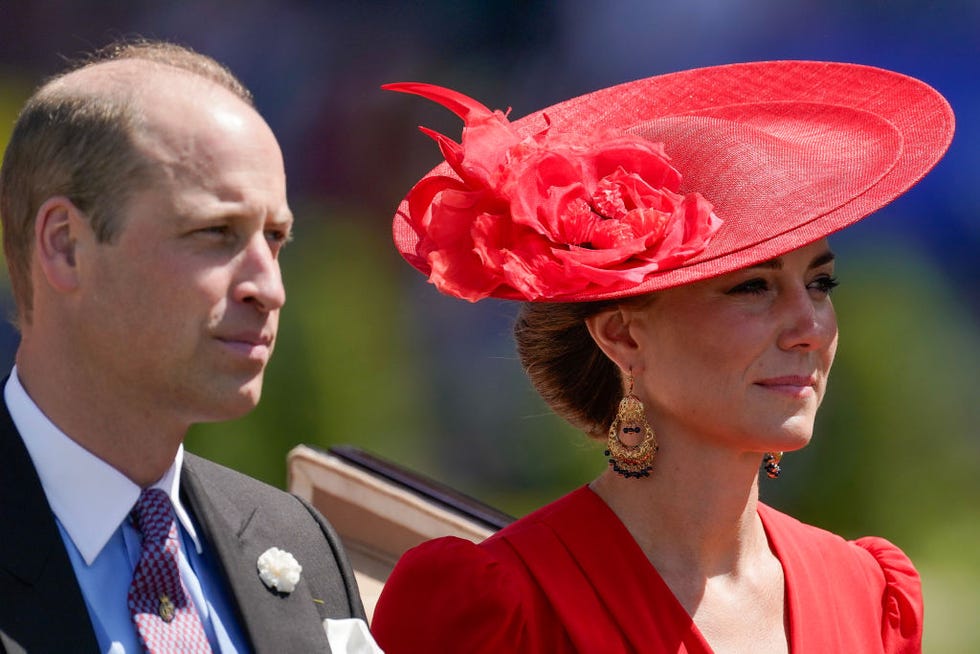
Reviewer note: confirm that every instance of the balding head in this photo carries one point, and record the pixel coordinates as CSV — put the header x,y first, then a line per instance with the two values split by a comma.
x,y
78,137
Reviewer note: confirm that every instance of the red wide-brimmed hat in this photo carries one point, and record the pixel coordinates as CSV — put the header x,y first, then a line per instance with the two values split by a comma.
x,y
666,180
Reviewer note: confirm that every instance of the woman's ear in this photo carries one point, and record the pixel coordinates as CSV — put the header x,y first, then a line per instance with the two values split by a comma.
x,y
610,330
56,229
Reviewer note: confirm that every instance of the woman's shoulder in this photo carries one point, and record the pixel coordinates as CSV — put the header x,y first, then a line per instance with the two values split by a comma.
x,y
454,559
449,591
901,597
473,597
870,567
877,555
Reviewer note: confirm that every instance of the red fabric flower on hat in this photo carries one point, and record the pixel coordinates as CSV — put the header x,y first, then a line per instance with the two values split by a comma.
x,y
550,216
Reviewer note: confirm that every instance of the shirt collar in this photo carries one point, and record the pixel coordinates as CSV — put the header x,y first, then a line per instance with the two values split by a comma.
x,y
90,498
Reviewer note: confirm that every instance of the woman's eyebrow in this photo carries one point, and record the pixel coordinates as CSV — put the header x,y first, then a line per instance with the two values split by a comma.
x,y
773,264
777,263
822,259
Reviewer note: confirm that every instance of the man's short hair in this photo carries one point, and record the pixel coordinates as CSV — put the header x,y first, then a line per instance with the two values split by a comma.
x,y
80,144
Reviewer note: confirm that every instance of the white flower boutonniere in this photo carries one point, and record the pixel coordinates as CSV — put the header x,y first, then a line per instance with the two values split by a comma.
x,y
279,570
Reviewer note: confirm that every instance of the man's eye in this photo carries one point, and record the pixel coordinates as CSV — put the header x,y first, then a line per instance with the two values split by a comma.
x,y
278,236
219,230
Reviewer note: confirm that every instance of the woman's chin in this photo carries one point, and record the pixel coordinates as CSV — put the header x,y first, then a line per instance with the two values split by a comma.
x,y
792,435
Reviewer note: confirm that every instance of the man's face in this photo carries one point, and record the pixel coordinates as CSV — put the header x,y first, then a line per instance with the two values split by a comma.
x,y
181,309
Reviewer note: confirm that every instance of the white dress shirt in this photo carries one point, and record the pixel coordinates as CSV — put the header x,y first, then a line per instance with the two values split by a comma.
x,y
91,502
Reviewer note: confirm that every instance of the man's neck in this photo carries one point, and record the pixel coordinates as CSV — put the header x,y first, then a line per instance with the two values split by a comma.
x,y
140,446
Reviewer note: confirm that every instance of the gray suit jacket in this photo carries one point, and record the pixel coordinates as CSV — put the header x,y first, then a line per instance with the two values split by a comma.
x,y
41,604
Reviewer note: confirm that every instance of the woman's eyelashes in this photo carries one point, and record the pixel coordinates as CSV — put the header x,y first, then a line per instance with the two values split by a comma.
x,y
823,284
754,286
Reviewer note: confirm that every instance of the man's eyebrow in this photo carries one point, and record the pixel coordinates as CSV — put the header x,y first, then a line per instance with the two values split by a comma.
x,y
284,219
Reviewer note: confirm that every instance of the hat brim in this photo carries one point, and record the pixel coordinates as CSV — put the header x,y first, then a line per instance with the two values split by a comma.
x,y
835,143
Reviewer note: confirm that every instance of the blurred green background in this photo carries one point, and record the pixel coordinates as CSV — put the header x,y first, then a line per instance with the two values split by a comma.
x,y
370,355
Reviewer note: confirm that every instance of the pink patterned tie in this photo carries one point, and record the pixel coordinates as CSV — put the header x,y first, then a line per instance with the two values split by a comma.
x,y
161,607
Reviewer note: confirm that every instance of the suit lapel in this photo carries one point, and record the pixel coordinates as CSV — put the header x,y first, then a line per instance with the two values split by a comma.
x,y
271,621
37,583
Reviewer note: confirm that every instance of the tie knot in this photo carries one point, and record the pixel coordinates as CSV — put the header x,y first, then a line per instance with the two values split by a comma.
x,y
154,515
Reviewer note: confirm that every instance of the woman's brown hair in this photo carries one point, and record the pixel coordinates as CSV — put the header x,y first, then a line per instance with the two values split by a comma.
x,y
577,380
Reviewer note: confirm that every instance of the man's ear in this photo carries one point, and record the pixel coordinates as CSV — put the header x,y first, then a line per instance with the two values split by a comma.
x,y
610,330
56,230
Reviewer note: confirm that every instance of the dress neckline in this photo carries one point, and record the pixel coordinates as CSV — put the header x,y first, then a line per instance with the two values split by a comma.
x,y
612,559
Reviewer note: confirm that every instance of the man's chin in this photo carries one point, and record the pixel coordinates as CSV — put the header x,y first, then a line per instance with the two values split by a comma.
x,y
234,404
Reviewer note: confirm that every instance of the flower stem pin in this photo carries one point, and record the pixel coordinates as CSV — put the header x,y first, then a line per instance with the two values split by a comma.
x,y
279,570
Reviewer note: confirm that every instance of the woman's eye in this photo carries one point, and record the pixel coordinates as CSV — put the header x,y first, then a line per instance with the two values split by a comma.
x,y
752,286
824,284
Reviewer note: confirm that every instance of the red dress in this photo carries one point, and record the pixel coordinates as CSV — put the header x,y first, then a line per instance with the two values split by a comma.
x,y
570,578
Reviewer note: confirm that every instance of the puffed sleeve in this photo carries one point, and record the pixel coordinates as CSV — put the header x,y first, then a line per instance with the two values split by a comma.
x,y
450,595
901,621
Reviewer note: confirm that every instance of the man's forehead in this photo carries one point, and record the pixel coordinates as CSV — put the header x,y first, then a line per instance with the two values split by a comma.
x,y
168,102
131,77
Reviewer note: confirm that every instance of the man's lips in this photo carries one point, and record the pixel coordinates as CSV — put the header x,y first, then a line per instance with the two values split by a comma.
x,y
253,344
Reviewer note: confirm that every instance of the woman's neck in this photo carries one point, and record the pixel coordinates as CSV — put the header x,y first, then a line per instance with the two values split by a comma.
x,y
695,517
692,522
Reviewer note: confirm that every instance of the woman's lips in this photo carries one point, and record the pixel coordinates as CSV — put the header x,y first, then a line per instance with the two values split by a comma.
x,y
795,385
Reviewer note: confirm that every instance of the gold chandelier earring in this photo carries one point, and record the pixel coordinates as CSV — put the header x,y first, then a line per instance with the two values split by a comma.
x,y
631,445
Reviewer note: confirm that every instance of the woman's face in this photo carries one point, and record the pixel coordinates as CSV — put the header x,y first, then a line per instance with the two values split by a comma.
x,y
741,359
